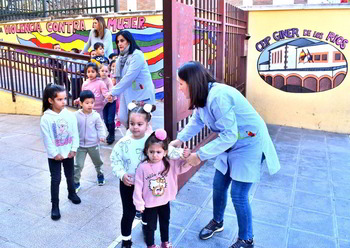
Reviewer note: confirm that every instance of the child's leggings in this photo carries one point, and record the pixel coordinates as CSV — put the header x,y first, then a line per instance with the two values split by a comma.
x,y
149,216
129,210
55,171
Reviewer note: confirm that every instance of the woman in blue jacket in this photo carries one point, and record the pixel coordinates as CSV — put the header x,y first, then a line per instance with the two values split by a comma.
x,y
243,142
134,81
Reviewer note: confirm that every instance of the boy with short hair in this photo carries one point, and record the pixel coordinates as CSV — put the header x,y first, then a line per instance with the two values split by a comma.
x,y
91,132
113,56
100,53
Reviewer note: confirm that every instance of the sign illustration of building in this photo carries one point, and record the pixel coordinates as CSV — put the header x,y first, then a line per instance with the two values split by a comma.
x,y
302,65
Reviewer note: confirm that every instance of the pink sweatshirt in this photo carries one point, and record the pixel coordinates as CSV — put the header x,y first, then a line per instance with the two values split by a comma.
x,y
109,85
99,88
151,188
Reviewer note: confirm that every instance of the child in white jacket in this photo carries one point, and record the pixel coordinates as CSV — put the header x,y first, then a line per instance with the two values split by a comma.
x,y
91,132
61,139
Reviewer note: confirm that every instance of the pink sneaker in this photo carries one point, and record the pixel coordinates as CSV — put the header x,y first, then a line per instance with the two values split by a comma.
x,y
117,124
166,245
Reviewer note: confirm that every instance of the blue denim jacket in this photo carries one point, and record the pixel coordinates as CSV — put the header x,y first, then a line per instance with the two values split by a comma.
x,y
242,134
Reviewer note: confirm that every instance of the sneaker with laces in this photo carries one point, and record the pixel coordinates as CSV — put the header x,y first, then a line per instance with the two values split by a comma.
x,y
166,245
209,230
126,244
101,179
77,187
240,243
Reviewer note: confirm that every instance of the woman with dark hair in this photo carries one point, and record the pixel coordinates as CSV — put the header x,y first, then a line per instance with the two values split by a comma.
x,y
100,33
134,81
242,144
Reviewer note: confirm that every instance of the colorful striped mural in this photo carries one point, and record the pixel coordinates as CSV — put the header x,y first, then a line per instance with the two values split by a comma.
x,y
74,34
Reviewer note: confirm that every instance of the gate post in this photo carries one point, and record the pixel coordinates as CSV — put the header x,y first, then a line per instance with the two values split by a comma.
x,y
220,53
11,74
170,87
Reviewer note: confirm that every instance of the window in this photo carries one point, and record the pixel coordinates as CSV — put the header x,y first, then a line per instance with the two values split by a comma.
x,y
319,57
338,57
324,57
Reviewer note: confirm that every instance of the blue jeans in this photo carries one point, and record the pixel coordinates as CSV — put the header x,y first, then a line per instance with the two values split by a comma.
x,y
109,112
240,200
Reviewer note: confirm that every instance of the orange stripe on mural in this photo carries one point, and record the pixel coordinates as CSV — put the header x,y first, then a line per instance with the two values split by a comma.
x,y
154,60
149,25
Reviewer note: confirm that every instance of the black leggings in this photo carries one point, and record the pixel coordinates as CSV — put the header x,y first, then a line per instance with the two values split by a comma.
x,y
55,171
129,210
149,216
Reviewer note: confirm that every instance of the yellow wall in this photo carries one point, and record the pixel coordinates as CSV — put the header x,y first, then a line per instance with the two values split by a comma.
x,y
24,105
328,110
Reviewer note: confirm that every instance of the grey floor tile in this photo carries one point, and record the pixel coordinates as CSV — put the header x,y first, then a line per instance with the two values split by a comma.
x,y
230,224
341,176
193,195
340,164
202,180
288,169
313,202
182,214
313,173
342,207
278,180
291,130
273,194
191,239
343,228
10,245
313,186
344,244
82,239
15,217
266,235
270,213
104,195
343,153
288,158
289,149
312,152
341,190
298,239
311,221
313,162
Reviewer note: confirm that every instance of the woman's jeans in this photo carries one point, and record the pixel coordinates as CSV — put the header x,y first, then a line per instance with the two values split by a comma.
x,y
240,200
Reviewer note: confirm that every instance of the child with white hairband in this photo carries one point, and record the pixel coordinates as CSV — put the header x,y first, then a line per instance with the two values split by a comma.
x,y
125,158
156,185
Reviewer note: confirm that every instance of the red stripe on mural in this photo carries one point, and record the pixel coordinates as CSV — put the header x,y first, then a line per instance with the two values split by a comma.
x,y
42,45
154,60
149,25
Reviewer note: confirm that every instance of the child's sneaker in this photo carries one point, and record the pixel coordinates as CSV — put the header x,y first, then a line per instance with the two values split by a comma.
x,y
77,187
243,244
101,179
117,124
126,244
138,215
166,245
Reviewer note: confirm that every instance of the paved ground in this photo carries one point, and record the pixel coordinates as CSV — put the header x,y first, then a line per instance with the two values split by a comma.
x,y
306,205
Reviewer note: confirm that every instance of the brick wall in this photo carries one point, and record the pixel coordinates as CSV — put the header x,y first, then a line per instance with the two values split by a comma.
x,y
123,5
146,5
262,2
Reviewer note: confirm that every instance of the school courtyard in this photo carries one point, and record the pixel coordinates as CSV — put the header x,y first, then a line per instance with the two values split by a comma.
x,y
305,205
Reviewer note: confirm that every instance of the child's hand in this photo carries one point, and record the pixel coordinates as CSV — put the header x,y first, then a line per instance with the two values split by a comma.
x,y
58,157
76,101
71,154
102,139
186,153
128,179
193,159
109,98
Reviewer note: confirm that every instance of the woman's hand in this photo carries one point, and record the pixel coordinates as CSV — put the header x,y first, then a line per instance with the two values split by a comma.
x,y
193,159
186,153
76,102
128,179
176,143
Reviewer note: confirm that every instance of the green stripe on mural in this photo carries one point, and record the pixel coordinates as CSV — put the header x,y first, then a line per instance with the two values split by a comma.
x,y
157,74
148,43
84,33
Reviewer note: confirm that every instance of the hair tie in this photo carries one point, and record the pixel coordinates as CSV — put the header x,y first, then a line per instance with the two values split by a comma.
x,y
148,108
160,134
131,106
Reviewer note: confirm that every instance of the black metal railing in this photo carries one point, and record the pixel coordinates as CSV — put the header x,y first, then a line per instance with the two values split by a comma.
x,y
29,9
27,70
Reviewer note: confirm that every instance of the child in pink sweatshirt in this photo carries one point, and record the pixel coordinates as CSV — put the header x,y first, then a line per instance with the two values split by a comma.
x,y
156,185
97,86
